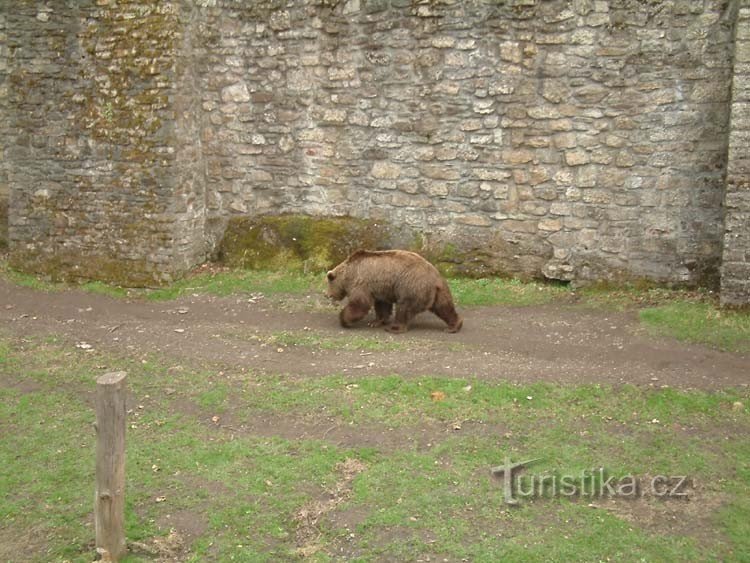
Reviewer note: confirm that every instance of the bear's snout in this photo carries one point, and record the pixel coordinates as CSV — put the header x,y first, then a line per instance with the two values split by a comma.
x,y
334,295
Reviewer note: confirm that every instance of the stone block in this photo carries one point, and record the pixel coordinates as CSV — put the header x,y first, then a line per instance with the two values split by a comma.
x,y
443,42
385,170
550,225
259,177
516,226
436,189
473,219
435,172
236,93
491,174
560,209
565,140
518,156
577,158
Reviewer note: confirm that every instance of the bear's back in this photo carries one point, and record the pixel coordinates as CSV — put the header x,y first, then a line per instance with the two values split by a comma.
x,y
392,261
390,274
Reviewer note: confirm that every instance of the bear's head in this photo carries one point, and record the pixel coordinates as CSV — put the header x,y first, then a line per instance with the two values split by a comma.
x,y
336,286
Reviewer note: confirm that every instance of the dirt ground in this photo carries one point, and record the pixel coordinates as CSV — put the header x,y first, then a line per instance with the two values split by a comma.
x,y
556,342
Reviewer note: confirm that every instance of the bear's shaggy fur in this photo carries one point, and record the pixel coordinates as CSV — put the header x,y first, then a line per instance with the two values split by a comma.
x,y
384,278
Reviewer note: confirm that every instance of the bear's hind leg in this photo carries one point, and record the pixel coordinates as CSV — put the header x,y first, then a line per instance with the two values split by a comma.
x,y
444,308
383,311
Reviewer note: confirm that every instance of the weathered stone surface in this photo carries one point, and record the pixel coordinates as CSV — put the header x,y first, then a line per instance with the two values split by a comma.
x,y
236,93
577,158
735,269
105,121
385,171
134,130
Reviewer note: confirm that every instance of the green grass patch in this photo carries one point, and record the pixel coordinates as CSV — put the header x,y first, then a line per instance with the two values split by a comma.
x,y
628,296
735,521
700,322
245,490
214,399
241,281
26,280
400,401
221,283
102,288
497,291
44,453
247,475
425,505
40,284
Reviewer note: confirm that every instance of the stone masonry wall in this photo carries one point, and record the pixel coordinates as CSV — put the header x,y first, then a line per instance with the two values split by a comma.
x,y
735,276
573,139
4,132
92,157
578,139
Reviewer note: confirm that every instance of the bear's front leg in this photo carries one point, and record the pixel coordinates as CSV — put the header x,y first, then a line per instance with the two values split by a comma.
x,y
383,311
355,310
405,312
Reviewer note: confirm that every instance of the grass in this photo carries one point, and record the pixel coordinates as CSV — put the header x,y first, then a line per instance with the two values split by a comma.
x,y
700,322
497,291
25,280
224,451
219,283
102,288
629,296
40,284
241,281
214,399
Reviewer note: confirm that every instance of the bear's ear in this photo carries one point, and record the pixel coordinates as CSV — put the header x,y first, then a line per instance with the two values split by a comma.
x,y
331,276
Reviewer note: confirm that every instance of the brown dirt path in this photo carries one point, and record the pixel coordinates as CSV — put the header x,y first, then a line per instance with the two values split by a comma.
x,y
556,342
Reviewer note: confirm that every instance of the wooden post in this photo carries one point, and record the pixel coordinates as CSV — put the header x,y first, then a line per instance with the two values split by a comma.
x,y
109,501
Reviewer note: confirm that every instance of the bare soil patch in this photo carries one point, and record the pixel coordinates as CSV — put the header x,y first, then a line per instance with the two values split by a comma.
x,y
308,516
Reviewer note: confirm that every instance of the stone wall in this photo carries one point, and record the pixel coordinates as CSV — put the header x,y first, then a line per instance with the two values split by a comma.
x,y
99,181
735,275
579,140
573,139
4,132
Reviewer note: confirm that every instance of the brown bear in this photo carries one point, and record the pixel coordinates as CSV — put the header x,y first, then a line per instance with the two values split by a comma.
x,y
383,278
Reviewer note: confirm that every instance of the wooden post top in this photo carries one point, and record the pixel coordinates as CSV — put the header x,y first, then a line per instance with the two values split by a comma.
x,y
111,378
